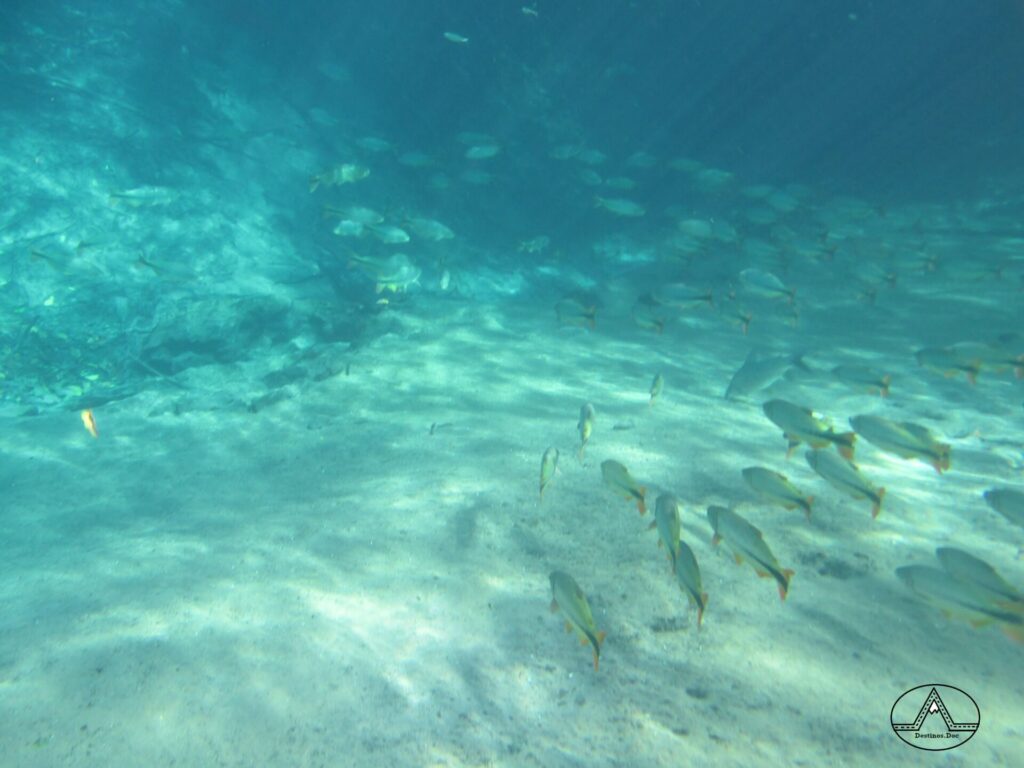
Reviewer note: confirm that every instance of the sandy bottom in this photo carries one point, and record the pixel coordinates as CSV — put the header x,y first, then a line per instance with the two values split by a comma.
x,y
325,582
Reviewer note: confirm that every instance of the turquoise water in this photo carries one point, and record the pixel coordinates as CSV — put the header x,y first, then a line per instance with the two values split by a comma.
x,y
297,295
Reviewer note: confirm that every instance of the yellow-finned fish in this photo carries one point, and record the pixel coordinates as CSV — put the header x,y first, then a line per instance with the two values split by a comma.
x,y
548,465
348,173
746,541
845,476
617,477
573,312
965,567
585,426
776,487
799,424
688,576
1008,503
904,439
567,596
89,422
657,385
666,520
960,599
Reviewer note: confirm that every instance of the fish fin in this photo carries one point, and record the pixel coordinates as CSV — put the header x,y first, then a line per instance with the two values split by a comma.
x,y
640,502
554,605
886,381
787,574
793,443
597,658
568,627
807,509
700,608
716,540
314,182
877,507
651,527
845,444
584,640
1014,631
738,558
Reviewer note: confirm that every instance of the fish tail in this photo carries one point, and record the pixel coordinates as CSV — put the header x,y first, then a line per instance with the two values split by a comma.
x,y
1015,632
596,641
640,501
878,503
314,183
786,574
845,444
886,381
942,458
807,506
745,322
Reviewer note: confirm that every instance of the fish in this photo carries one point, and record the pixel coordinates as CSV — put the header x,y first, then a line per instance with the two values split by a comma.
x,y
375,144
758,372
573,312
798,424
534,245
657,385
567,597
429,229
355,213
904,439
762,283
482,151
395,273
959,599
966,568
548,465
389,233
455,37
89,422
620,206
530,10
617,477
348,173
1008,503
996,356
776,487
666,520
648,314
585,426
860,376
844,475
948,362
143,197
746,541
688,576
682,297
591,156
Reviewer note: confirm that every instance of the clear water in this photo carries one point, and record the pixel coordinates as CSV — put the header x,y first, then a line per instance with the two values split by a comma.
x,y
307,530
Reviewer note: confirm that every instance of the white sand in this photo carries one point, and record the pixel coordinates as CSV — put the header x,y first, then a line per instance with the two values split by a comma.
x,y
326,583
